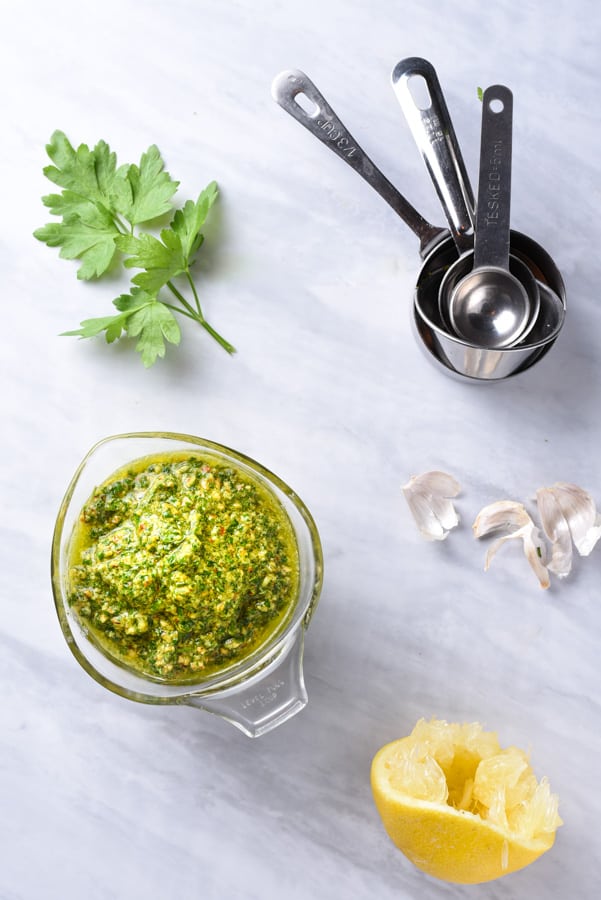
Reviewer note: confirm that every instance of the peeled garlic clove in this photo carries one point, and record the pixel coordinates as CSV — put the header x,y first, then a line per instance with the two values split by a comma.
x,y
507,514
568,513
428,497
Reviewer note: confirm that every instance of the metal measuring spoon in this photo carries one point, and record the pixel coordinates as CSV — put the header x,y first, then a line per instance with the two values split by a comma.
x,y
491,306
318,117
428,118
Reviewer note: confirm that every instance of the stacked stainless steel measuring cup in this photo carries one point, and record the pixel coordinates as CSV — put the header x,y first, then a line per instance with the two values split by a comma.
x,y
489,301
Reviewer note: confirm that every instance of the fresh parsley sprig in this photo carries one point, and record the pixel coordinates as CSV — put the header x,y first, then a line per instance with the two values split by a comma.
x,y
101,207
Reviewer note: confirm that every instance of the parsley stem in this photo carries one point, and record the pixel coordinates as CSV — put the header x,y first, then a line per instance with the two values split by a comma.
x,y
220,340
121,226
198,315
194,293
182,299
182,312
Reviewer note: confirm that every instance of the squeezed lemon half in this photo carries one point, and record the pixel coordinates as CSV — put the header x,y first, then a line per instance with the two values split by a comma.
x,y
458,806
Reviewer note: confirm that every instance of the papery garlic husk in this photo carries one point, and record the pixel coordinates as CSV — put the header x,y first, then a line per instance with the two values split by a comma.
x,y
568,514
508,514
429,498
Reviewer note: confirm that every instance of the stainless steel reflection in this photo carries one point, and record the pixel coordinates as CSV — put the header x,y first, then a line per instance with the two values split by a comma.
x,y
475,363
488,317
299,97
492,304
418,90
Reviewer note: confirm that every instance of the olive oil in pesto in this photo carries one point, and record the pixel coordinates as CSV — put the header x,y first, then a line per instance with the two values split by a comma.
x,y
182,564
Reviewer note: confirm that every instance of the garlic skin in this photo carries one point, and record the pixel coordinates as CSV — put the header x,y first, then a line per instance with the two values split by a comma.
x,y
508,514
568,515
429,498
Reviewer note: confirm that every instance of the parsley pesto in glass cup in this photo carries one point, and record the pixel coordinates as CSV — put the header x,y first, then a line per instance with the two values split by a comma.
x,y
185,572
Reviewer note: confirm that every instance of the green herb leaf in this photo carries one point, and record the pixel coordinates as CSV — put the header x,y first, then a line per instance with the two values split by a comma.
x,y
90,173
188,221
113,325
173,254
151,189
91,181
99,207
129,303
161,259
141,315
88,234
154,323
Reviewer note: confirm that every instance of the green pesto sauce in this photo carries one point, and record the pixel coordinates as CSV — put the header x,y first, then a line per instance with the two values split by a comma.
x,y
181,565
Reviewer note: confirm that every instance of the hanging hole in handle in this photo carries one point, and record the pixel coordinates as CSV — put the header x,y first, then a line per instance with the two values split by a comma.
x,y
496,105
420,94
306,104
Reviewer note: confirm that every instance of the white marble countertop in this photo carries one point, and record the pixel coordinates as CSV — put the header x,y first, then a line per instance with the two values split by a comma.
x,y
310,275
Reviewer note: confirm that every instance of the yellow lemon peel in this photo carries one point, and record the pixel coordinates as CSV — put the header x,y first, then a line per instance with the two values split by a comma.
x,y
458,806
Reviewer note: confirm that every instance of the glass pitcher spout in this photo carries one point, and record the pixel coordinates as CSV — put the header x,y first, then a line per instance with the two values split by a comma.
x,y
275,694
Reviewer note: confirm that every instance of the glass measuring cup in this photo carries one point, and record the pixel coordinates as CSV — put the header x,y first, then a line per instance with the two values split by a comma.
x,y
257,692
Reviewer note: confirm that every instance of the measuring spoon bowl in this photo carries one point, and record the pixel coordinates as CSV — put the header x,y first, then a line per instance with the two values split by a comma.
x,y
489,308
484,311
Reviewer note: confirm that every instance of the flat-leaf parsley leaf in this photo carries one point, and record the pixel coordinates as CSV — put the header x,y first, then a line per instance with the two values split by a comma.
x,y
100,207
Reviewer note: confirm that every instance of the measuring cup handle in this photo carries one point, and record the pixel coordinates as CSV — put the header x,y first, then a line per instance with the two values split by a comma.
x,y
491,245
435,137
318,117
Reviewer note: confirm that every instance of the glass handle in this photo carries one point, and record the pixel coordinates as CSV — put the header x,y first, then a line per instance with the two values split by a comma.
x,y
271,697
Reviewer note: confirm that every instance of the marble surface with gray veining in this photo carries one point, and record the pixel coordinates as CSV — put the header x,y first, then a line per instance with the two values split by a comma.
x,y
310,275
